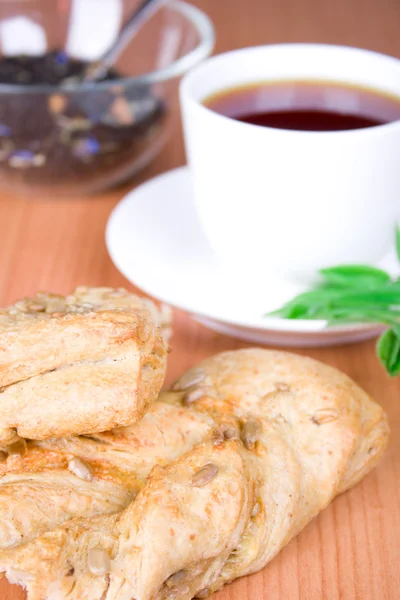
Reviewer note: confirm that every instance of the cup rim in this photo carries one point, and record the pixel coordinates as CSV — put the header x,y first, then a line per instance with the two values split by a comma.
x,y
189,97
198,19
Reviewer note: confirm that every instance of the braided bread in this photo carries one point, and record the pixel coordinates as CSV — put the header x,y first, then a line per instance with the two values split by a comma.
x,y
283,436
83,363
45,483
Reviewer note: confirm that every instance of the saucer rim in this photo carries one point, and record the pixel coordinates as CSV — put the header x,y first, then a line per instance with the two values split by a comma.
x,y
312,327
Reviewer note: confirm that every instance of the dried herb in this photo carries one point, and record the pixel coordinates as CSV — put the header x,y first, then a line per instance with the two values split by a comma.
x,y
72,136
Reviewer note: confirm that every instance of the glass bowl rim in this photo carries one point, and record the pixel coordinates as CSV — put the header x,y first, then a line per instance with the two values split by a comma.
x,y
200,21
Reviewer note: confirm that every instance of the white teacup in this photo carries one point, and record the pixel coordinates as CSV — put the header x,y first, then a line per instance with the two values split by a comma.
x,y
292,201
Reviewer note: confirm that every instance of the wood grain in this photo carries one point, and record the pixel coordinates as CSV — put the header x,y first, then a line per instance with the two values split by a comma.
x,y
351,551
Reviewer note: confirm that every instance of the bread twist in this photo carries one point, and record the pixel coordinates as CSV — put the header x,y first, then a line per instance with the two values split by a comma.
x,y
287,435
78,364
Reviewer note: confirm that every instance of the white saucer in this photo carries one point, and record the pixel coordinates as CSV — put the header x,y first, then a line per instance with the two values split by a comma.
x,y
154,239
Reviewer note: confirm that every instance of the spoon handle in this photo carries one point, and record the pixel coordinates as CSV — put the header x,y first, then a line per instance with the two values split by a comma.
x,y
143,12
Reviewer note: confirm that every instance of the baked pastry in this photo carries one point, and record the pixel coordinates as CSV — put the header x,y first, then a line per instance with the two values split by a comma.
x,y
290,434
52,481
78,364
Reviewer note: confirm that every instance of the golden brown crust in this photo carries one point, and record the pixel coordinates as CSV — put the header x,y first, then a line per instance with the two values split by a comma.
x,y
283,436
47,331
88,362
39,473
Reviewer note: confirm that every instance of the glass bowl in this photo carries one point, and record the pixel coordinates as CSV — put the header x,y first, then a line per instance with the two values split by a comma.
x,y
86,136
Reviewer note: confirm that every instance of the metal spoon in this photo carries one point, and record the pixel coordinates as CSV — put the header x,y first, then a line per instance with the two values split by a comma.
x,y
97,70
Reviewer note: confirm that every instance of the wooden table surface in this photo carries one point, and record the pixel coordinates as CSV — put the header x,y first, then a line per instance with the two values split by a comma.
x,y
352,550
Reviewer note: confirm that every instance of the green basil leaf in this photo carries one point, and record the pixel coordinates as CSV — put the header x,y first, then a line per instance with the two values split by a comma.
x,y
298,311
354,275
355,294
388,350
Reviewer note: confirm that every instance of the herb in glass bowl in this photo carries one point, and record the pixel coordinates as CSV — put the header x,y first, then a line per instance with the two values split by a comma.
x,y
355,294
